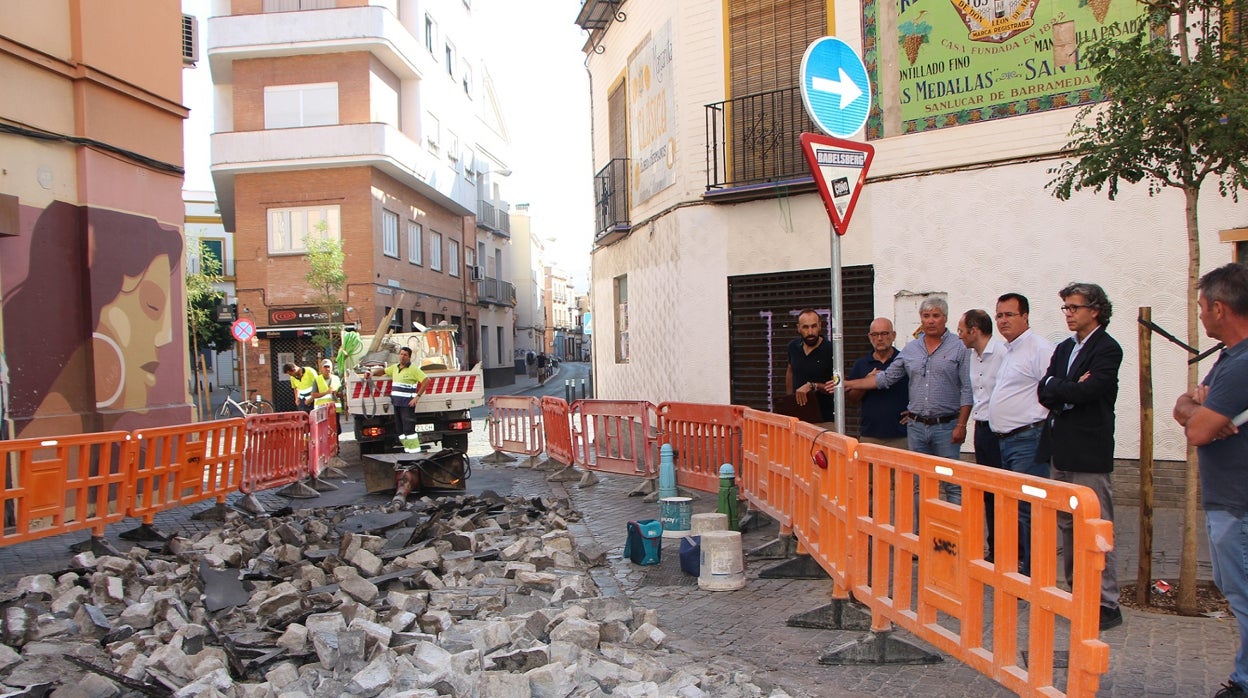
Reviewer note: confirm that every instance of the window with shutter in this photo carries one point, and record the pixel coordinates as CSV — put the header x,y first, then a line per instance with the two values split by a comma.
x,y
767,39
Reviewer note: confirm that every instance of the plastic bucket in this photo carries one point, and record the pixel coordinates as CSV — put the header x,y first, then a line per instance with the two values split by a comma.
x,y
675,513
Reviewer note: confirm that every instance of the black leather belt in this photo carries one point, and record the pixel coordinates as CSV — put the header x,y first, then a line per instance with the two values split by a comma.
x,y
1025,427
933,420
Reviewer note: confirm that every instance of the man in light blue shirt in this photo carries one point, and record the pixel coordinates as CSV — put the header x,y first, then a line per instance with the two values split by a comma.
x,y
937,366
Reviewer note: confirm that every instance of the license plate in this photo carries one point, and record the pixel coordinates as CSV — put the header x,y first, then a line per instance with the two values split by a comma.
x,y
424,427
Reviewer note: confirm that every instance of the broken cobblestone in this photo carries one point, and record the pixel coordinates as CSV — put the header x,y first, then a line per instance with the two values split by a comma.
x,y
471,596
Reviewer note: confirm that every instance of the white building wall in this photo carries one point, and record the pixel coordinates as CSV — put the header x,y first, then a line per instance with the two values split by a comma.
x,y
938,214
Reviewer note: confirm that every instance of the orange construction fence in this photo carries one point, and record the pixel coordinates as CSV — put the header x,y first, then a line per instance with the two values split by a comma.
x,y
557,430
322,438
65,483
277,451
944,603
822,517
702,437
615,436
184,464
766,465
516,426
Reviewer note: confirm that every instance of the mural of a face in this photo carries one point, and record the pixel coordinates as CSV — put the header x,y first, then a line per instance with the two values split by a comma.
x,y
92,300
131,330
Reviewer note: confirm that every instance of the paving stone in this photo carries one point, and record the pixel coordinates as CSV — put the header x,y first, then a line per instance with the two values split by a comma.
x,y
578,631
550,681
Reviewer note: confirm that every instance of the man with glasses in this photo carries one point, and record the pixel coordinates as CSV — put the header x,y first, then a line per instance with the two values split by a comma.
x,y
1015,414
940,397
1212,417
1080,389
882,420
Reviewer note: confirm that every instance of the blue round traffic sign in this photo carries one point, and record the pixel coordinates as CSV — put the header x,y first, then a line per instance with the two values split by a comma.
x,y
835,88
243,329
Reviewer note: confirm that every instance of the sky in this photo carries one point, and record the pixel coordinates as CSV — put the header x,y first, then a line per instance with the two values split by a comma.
x,y
534,58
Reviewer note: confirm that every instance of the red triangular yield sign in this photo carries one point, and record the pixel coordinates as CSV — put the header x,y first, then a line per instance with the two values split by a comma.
x,y
840,169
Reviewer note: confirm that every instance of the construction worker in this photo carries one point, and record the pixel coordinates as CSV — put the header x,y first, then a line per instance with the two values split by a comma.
x,y
304,381
333,390
409,383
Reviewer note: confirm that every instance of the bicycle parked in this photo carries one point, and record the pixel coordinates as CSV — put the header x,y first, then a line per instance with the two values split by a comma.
x,y
234,408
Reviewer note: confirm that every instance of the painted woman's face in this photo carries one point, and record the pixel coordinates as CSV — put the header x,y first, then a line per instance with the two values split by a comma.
x,y
132,329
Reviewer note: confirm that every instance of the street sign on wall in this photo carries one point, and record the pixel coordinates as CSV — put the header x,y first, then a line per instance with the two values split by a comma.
x,y
835,88
840,169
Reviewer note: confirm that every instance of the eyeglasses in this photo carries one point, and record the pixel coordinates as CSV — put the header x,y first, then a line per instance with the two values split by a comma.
x,y
875,335
1072,307
1002,316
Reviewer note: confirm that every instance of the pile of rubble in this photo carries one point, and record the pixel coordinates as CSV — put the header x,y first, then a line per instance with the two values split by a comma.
x,y
472,596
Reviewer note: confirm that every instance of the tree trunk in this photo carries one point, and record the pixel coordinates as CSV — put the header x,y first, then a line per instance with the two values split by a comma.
x,y
1187,563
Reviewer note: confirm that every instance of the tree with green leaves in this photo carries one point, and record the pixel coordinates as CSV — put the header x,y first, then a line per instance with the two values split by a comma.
x,y
327,278
1175,116
202,298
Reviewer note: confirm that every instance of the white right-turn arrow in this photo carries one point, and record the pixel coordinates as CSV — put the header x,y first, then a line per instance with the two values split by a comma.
x,y
846,88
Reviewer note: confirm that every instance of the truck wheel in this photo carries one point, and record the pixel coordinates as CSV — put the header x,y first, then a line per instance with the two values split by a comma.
x,y
459,442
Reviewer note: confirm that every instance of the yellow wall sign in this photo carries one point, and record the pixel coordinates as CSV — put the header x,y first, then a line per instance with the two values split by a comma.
x,y
964,61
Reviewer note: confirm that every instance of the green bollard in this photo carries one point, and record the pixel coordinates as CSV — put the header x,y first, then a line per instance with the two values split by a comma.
x,y
728,494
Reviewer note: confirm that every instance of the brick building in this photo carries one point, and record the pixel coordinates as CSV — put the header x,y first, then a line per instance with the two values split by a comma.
x,y
371,123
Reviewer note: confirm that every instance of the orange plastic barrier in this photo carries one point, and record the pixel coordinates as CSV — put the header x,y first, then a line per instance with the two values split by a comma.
x,y
703,438
944,603
62,484
616,436
322,438
557,429
822,517
180,465
516,426
766,465
276,452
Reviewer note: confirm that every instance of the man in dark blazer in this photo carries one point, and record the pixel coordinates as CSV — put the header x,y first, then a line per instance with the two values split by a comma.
x,y
1080,389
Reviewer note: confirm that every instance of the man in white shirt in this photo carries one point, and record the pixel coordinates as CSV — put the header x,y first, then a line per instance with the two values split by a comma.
x,y
985,355
1014,411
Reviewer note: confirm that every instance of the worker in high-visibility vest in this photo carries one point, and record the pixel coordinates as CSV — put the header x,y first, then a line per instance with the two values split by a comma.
x,y
304,381
332,395
408,384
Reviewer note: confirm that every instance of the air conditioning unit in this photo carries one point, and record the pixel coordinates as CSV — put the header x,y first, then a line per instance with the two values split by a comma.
x,y
190,40
476,273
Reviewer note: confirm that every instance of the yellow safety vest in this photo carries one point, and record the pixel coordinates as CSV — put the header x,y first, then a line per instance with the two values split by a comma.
x,y
405,383
334,385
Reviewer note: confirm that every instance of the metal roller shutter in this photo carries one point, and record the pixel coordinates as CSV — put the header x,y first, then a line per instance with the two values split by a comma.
x,y
762,312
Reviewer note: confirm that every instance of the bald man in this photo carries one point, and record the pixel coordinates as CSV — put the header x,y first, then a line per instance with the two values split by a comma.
x,y
881,409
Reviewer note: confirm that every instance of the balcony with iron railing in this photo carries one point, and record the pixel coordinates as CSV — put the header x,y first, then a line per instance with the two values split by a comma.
x,y
611,202
493,215
753,143
492,291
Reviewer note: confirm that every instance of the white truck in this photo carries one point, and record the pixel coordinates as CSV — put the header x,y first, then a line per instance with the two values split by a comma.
x,y
442,413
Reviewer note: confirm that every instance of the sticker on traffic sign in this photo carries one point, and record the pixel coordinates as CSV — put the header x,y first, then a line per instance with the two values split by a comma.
x,y
840,169
243,329
835,88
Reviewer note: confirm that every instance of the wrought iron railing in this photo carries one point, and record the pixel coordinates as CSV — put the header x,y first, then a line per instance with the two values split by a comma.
x,y
496,291
494,216
611,197
755,139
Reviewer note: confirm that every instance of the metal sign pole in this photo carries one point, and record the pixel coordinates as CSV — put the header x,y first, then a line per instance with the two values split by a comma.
x,y
838,334
242,370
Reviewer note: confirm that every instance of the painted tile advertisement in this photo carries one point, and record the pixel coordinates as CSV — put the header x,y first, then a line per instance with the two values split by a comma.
x,y
652,114
963,61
